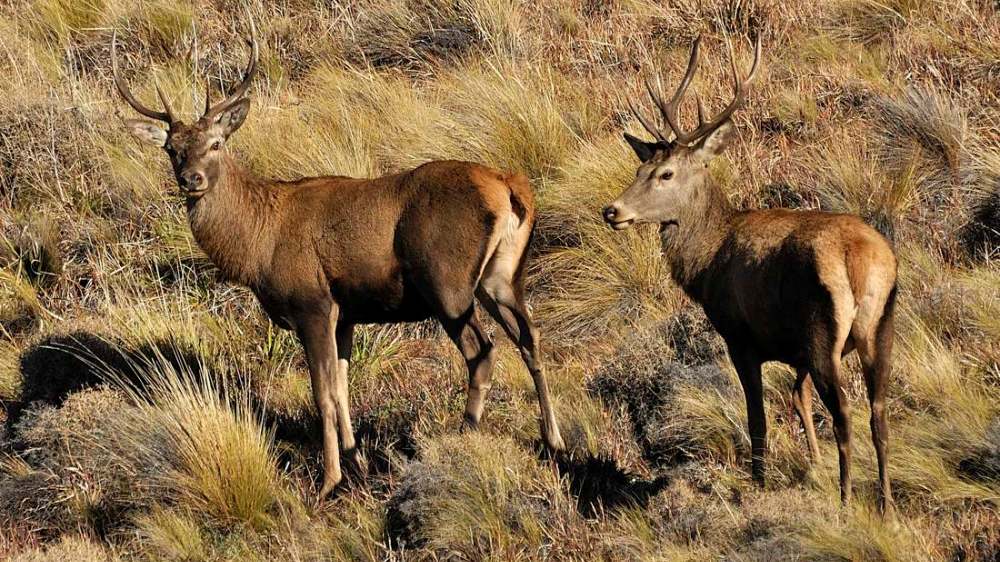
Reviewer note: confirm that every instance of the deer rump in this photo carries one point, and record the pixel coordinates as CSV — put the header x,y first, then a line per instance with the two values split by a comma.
x,y
400,248
782,281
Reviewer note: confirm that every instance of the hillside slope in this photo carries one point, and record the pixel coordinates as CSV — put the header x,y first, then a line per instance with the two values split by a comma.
x,y
152,412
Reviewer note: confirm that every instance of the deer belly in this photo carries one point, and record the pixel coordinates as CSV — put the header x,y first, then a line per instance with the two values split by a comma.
x,y
384,303
775,331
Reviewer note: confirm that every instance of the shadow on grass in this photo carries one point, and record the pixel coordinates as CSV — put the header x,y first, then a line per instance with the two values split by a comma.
x,y
60,365
600,485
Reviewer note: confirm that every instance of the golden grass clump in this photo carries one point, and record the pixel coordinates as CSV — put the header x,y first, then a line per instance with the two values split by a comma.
x,y
512,118
850,181
172,535
150,410
593,175
164,436
924,130
609,283
476,496
868,21
942,451
861,534
57,19
206,455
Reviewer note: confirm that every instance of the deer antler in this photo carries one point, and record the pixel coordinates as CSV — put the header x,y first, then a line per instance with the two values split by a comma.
x,y
166,116
740,88
670,110
237,93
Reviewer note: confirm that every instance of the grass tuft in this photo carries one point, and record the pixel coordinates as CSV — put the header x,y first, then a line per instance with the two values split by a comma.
x,y
926,131
172,535
849,181
869,21
201,445
474,496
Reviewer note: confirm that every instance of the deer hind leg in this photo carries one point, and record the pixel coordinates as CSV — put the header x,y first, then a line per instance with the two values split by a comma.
x,y
826,376
479,354
802,400
501,296
875,352
316,332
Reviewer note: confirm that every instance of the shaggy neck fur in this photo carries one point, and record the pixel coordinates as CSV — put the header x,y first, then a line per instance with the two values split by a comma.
x,y
692,244
234,223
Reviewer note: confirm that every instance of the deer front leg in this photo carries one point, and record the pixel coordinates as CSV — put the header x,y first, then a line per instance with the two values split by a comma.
x,y
345,343
748,369
316,332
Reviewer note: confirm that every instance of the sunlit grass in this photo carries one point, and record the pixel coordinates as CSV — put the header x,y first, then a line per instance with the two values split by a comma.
x,y
868,21
476,496
861,534
883,109
851,182
198,443
610,282
172,535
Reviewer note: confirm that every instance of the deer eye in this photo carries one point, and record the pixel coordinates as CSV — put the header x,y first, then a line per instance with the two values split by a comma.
x,y
216,145
666,175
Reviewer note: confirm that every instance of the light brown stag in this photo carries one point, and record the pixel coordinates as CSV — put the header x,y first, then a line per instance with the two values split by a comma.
x,y
801,287
324,254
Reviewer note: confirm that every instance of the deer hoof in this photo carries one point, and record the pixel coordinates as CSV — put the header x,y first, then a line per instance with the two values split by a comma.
x,y
329,484
555,443
469,423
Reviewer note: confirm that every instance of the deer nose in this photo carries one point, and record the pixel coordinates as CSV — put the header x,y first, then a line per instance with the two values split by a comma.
x,y
192,181
610,212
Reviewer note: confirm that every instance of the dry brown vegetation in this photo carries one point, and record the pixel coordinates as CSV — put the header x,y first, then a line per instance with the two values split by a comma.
x,y
153,413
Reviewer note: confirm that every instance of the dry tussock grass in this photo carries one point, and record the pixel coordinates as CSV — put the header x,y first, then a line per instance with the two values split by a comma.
x,y
202,447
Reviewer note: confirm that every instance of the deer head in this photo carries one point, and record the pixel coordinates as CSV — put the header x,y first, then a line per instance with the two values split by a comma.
x,y
673,170
195,150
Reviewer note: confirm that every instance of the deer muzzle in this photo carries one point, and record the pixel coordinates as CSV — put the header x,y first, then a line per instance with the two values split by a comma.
x,y
617,217
191,183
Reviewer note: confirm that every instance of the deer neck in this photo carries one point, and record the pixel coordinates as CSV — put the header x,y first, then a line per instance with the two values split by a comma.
x,y
691,245
234,223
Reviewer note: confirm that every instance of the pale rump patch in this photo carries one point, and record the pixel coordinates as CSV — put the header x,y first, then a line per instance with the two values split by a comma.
x,y
505,234
833,275
871,308
513,223
513,242
872,270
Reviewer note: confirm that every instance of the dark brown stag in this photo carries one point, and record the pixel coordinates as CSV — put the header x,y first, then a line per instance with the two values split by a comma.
x,y
801,287
327,253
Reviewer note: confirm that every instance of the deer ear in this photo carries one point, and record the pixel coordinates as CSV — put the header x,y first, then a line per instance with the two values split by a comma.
x,y
644,150
232,118
147,132
715,143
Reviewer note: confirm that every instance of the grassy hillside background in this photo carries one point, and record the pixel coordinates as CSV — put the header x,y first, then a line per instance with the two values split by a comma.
x,y
153,412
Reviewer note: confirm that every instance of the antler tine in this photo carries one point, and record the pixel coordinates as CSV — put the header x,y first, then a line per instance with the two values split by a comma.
x,y
646,123
166,104
740,89
248,76
701,109
127,94
671,110
654,92
208,95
